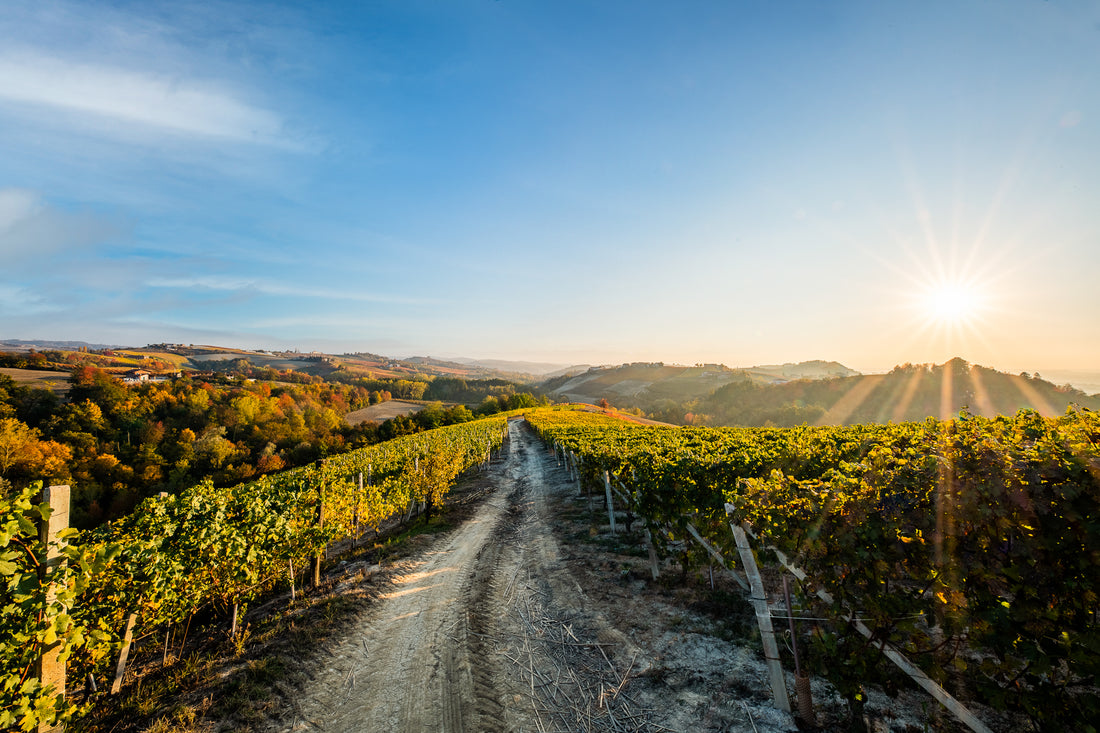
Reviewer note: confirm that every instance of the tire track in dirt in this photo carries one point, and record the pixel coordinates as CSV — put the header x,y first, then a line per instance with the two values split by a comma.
x,y
424,657
489,630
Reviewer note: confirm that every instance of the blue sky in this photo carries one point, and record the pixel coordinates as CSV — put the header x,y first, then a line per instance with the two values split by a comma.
x,y
740,182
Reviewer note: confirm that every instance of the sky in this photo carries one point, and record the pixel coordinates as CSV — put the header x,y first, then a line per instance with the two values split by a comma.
x,y
573,182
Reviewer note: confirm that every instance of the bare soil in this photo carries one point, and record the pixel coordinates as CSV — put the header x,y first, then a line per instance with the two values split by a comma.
x,y
56,381
531,616
495,627
382,411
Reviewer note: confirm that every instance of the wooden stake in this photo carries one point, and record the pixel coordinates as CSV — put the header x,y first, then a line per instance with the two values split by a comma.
x,y
801,681
358,500
127,638
717,556
186,631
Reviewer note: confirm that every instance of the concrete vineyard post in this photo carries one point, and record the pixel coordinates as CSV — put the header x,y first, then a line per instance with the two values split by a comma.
x,y
764,620
127,639
610,504
915,673
51,670
654,567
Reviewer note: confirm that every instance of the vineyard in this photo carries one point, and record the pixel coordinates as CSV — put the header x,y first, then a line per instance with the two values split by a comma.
x,y
969,546
78,599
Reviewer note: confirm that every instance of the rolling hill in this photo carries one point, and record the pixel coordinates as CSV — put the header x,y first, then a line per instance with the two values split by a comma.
x,y
822,393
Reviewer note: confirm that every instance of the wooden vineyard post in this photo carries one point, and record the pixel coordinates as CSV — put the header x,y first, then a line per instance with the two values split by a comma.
x,y
51,670
717,556
801,681
315,561
127,638
588,496
763,619
610,504
654,566
358,500
412,491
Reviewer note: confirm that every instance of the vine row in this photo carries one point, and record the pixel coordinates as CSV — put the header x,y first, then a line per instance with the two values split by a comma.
x,y
204,547
970,544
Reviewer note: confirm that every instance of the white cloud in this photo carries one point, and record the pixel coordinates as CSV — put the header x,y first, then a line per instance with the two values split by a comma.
x,y
29,228
158,101
15,300
15,205
214,282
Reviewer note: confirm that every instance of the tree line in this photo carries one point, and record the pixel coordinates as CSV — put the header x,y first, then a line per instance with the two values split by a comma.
x,y
117,443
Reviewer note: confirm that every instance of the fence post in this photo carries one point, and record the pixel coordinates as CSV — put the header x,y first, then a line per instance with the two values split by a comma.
x,y
51,671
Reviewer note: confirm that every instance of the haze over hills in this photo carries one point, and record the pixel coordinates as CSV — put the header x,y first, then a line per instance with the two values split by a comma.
x,y
537,368
716,395
815,392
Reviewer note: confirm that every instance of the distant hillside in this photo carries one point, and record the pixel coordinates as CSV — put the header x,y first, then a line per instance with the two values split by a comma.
x,y
25,345
908,392
467,368
816,369
665,390
535,368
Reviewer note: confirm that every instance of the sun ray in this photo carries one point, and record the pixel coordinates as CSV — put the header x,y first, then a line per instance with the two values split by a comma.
x,y
907,397
1031,395
947,387
851,400
981,394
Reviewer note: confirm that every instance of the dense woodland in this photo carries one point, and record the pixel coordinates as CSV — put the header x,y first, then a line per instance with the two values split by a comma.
x,y
117,443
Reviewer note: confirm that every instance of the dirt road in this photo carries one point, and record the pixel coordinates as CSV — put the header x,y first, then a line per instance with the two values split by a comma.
x,y
490,630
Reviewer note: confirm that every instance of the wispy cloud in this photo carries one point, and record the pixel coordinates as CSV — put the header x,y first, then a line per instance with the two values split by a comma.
x,y
169,103
15,300
214,282
31,229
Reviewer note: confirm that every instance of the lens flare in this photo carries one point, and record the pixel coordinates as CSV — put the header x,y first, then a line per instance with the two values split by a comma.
x,y
954,304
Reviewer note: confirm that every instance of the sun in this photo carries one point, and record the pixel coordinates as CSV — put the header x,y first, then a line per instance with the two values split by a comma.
x,y
952,303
